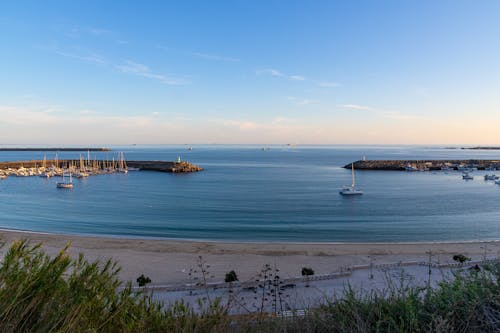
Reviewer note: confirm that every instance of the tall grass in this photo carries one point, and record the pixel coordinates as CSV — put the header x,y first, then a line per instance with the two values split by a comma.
x,y
39,293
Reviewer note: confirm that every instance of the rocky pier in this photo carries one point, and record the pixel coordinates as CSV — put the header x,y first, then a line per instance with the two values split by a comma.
x,y
162,166
423,165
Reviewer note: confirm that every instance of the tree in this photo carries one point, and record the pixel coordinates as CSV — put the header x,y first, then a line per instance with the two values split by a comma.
x,y
143,280
306,272
231,277
460,258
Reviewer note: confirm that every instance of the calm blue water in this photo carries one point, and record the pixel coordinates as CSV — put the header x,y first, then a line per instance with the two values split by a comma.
x,y
247,194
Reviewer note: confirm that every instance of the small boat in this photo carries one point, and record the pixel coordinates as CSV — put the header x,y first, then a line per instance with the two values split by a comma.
x,y
467,176
490,177
64,184
409,167
497,182
447,168
351,190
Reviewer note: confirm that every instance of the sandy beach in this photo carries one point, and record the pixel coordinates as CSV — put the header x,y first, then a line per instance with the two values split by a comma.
x,y
168,261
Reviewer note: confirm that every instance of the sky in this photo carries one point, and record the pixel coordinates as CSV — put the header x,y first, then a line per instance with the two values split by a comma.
x,y
249,72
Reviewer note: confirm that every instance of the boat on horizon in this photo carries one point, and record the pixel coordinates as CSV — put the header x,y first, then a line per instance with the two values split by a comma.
x,y
351,190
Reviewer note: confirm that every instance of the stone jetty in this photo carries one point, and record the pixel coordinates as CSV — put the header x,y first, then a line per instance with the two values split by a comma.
x,y
424,165
84,168
55,149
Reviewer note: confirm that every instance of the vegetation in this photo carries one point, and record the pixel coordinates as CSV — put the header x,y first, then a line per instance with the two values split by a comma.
x,y
460,258
306,271
231,277
39,293
143,280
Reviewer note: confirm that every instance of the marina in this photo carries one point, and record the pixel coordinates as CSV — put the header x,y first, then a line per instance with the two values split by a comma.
x,y
83,168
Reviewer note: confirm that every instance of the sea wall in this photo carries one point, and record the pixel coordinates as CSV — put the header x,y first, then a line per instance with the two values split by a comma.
x,y
400,165
163,166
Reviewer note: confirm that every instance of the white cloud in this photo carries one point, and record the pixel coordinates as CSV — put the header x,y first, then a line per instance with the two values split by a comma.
x,y
134,68
276,73
296,77
214,57
302,101
98,31
356,107
326,84
86,57
88,111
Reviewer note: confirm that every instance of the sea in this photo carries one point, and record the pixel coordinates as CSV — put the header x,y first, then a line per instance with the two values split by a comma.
x,y
255,193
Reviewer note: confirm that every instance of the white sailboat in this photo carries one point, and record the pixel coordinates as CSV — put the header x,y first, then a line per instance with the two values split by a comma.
x,y
64,184
351,190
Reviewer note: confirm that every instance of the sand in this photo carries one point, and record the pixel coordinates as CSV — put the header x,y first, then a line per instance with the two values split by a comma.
x,y
168,262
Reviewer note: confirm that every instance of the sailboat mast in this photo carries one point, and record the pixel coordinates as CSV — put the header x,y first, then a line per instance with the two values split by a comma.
x,y
352,166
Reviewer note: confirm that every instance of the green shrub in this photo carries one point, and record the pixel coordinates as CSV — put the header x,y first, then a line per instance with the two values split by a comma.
x,y
143,280
39,293
231,277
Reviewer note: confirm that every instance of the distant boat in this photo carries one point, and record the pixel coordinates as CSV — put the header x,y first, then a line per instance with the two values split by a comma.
x,y
64,184
409,167
490,177
467,176
351,190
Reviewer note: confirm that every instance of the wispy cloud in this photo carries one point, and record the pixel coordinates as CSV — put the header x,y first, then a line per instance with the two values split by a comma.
x,y
356,107
88,111
98,31
86,57
395,115
214,57
199,55
302,101
277,73
135,68
326,84
76,32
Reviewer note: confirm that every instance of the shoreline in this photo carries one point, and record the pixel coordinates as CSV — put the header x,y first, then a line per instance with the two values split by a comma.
x,y
169,261
250,242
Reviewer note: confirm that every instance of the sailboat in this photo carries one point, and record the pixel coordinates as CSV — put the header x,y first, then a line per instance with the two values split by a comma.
x,y
64,184
351,190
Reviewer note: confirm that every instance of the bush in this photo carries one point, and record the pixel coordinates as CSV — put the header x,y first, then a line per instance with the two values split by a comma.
x,y
231,277
39,293
143,280
460,258
307,271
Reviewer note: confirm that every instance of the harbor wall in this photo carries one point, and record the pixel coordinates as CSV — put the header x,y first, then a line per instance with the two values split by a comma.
x,y
399,165
163,166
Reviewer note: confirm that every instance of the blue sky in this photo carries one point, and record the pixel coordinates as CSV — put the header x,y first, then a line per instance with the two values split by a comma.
x,y
317,72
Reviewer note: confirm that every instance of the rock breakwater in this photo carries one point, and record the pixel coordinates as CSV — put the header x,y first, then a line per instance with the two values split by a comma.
x,y
424,165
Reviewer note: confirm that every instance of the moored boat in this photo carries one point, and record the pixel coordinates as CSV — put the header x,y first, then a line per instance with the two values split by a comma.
x,y
467,176
64,184
351,190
